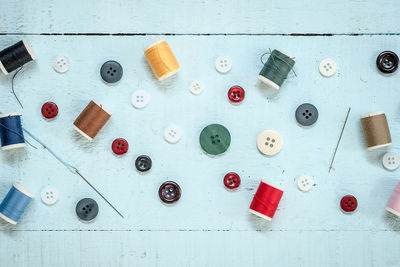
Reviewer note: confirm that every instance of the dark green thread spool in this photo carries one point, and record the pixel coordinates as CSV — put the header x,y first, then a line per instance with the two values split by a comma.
x,y
276,69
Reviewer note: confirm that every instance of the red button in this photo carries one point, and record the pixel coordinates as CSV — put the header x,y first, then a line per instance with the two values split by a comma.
x,y
49,110
232,180
120,146
348,203
236,94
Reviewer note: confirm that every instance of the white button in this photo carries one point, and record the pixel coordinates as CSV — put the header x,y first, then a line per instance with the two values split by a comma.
x,y
269,142
49,195
391,161
223,64
172,134
305,183
196,87
140,99
61,64
327,67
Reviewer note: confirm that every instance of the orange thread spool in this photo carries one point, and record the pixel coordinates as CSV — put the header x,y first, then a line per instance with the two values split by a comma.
x,y
91,120
161,60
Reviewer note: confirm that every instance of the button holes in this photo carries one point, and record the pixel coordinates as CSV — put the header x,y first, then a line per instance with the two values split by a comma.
x,y
47,109
216,135
87,206
108,72
304,114
86,212
306,110
271,145
219,141
307,117
83,208
268,138
112,74
111,68
310,114
273,140
114,70
90,209
213,142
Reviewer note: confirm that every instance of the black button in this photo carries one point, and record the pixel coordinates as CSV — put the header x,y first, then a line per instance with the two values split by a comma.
x,y
306,114
87,209
111,71
143,163
169,192
387,62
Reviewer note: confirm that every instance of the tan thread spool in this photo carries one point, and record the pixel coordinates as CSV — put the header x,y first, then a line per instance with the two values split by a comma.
x,y
161,60
376,130
91,120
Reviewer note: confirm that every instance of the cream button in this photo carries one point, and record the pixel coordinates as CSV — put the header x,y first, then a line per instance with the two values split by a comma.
x,y
61,64
305,183
269,142
49,195
327,67
223,64
196,87
391,161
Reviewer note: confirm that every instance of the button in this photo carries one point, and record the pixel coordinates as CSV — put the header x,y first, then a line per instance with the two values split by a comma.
x,y
269,142
196,87
306,114
236,94
348,203
169,192
143,163
111,71
172,134
391,161
87,209
120,146
215,139
140,99
327,67
49,110
49,195
387,62
305,183
61,64
223,64
232,180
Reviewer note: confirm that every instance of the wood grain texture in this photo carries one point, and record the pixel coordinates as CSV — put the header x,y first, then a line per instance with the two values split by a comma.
x,y
209,226
200,16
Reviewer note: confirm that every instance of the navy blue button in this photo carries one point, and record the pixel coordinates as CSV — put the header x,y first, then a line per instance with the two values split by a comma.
x,y
306,114
111,71
87,209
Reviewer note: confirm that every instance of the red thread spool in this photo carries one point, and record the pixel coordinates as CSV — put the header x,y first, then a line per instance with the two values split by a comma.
x,y
266,200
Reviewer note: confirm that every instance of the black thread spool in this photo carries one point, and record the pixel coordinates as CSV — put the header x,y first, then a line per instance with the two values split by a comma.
x,y
16,56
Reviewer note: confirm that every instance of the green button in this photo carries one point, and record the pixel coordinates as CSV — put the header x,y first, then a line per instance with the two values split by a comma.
x,y
215,139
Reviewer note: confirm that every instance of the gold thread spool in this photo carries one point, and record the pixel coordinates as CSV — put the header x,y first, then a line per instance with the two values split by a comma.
x,y
161,60
91,120
376,130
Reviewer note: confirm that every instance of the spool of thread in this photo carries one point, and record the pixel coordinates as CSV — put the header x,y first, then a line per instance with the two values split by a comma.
x,y
15,203
161,60
91,120
16,56
276,69
376,130
11,134
393,206
266,200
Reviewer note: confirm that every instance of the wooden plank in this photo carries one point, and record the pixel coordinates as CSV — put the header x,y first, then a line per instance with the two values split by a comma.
x,y
208,217
199,16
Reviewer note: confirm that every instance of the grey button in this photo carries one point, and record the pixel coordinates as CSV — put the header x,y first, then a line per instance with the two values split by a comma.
x,y
111,71
306,114
87,209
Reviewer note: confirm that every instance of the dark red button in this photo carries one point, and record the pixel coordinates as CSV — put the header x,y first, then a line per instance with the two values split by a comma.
x,y
232,180
49,110
236,94
120,146
169,192
348,203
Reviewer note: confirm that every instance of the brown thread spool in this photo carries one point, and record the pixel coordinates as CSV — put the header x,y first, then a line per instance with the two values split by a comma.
x,y
376,130
91,120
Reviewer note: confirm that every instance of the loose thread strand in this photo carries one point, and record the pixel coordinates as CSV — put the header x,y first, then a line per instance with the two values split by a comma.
x,y
12,86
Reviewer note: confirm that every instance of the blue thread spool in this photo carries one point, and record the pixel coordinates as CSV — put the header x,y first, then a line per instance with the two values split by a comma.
x,y
11,134
276,69
14,204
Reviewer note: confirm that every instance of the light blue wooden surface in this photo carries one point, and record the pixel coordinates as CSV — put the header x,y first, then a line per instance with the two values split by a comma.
x,y
209,226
